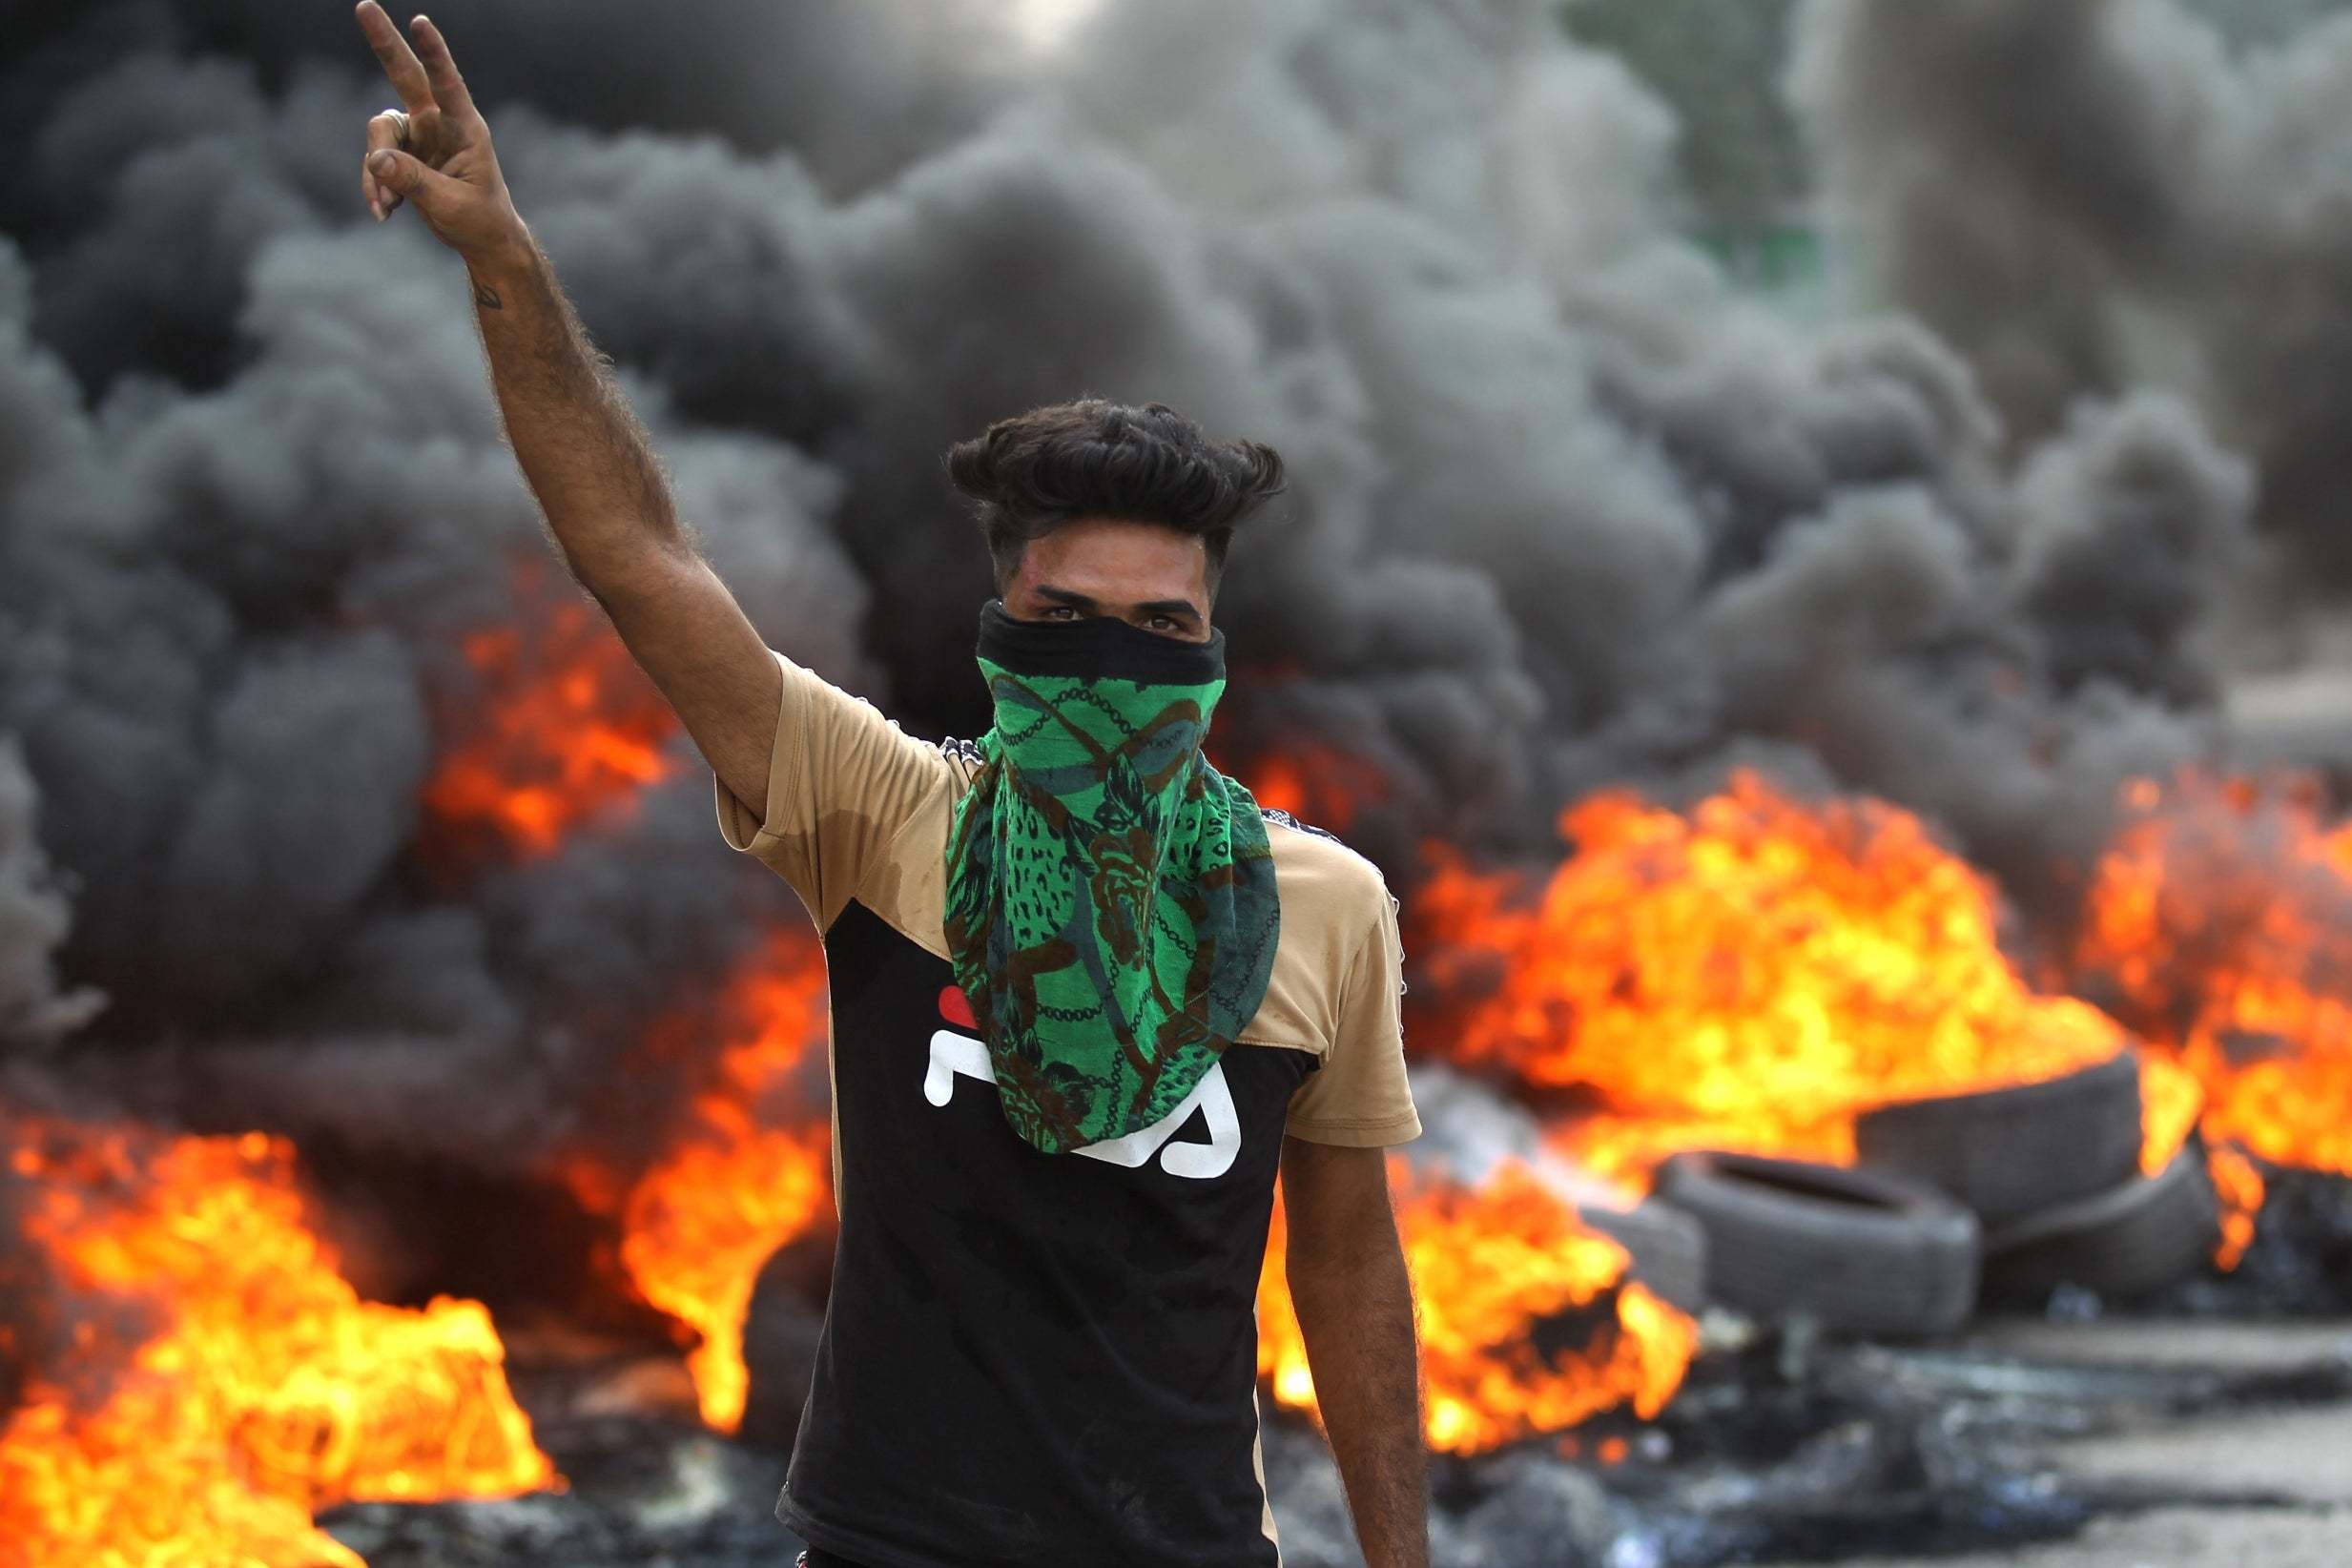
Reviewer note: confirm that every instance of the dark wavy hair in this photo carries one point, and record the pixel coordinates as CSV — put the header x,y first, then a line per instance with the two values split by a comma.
x,y
1027,475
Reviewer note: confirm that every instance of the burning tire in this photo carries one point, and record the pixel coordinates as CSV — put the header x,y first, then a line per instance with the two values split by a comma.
x,y
1855,1250
781,1328
2132,1239
2017,1149
1667,1246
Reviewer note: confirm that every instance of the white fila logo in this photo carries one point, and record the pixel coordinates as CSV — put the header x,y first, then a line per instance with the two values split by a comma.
x,y
952,1053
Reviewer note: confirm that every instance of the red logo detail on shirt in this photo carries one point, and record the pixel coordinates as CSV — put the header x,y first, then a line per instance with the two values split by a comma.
x,y
954,1009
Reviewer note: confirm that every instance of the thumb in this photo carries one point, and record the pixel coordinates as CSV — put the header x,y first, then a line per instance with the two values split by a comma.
x,y
408,176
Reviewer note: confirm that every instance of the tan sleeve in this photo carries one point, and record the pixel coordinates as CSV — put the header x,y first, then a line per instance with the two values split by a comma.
x,y
841,781
1359,1095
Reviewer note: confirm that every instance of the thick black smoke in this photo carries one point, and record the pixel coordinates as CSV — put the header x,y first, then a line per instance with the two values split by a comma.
x,y
2085,194
1566,510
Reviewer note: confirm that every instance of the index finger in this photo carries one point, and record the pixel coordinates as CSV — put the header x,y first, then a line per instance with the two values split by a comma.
x,y
400,62
441,68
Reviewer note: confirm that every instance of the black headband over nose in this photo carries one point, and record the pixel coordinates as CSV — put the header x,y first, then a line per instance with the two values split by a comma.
x,y
1094,647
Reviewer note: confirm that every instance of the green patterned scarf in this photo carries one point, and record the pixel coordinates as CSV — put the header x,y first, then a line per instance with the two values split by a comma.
x,y
1110,908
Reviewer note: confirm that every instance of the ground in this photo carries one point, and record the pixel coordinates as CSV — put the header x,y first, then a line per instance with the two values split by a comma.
x,y
2264,1487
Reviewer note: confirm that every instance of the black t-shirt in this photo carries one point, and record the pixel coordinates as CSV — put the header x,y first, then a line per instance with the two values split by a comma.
x,y
1033,1359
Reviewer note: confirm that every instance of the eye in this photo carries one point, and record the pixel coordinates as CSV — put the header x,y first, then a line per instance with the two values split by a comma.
x,y
1053,611
1162,622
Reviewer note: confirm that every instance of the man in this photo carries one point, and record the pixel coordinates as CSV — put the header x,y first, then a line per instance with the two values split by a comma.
x,y
1087,998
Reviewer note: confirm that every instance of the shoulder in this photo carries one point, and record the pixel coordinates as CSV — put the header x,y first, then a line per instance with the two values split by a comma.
x,y
1324,885
907,885
1316,851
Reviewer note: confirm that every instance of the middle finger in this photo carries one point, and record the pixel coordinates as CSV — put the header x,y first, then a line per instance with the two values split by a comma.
x,y
400,62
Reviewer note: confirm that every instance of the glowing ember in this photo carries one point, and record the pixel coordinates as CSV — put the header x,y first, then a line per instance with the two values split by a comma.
x,y
199,1381
564,726
2220,920
1751,974
1490,1265
748,1173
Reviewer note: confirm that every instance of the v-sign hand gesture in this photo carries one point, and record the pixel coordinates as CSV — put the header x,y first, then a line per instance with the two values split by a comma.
x,y
439,157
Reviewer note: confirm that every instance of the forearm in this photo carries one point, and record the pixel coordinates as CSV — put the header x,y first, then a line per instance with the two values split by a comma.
x,y
1355,1313
582,450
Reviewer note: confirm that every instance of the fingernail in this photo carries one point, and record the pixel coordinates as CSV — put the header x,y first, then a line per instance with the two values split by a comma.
x,y
381,162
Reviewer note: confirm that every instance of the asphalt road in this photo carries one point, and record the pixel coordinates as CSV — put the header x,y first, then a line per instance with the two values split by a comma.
x,y
2259,1488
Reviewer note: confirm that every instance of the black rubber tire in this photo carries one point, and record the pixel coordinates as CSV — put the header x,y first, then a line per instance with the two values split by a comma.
x,y
1667,1246
781,1325
1861,1250
2127,1241
2017,1149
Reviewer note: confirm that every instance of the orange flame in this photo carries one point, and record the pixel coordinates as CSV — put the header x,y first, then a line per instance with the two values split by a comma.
x,y
1750,974
2170,1098
1316,783
2241,1190
2221,919
1489,1266
252,1388
565,728
699,1223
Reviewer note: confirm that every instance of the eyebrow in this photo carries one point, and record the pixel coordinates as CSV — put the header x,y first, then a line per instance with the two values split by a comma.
x,y
1176,608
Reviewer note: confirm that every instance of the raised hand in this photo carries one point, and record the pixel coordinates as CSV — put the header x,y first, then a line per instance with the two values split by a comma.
x,y
439,159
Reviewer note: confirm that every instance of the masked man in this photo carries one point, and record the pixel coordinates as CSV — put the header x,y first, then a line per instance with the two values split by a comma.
x,y
1087,997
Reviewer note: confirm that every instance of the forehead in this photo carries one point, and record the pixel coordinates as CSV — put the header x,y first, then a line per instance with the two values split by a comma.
x,y
1113,561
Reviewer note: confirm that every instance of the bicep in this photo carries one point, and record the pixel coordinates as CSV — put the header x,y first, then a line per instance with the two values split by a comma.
x,y
1361,1094
686,631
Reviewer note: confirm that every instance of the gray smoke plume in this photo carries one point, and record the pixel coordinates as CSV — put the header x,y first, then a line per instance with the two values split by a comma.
x,y
2081,195
1567,511
35,1012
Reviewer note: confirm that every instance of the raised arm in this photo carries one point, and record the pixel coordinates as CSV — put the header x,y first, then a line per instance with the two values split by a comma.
x,y
582,452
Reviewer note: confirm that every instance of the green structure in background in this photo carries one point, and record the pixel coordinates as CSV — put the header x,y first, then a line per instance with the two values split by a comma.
x,y
1783,258
1718,64
2259,22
